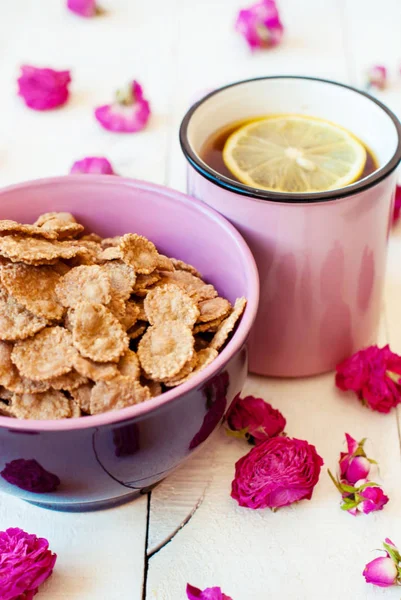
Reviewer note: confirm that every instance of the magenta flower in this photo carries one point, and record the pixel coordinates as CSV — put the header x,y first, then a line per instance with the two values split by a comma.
x,y
377,77
25,563
213,593
254,419
276,473
129,113
372,499
29,475
43,89
354,464
83,8
96,165
384,571
260,25
397,204
374,375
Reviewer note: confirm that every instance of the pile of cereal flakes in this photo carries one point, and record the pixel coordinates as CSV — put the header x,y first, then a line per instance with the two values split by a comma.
x,y
89,325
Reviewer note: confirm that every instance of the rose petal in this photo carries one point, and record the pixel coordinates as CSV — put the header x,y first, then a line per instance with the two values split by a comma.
x,y
43,89
83,8
213,593
260,25
128,115
93,164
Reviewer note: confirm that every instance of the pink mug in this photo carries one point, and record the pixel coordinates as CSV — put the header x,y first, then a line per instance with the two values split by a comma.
x,y
321,256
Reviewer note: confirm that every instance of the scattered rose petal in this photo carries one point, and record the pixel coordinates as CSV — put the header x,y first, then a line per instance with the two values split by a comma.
x,y
397,204
83,8
377,77
43,89
129,113
276,473
260,25
373,374
254,419
29,475
354,464
96,165
213,593
384,571
26,562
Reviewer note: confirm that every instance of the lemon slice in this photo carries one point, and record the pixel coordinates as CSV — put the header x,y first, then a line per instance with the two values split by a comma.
x,y
291,153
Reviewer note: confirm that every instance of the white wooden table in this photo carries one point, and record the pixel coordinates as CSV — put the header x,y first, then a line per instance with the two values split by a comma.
x,y
189,529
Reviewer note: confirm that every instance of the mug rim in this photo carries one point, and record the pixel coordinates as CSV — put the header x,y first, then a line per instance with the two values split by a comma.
x,y
282,197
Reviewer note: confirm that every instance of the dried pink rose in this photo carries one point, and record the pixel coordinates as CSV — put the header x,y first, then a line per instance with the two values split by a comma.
x,y
397,204
213,593
25,563
83,8
276,473
374,375
377,77
43,89
129,113
384,571
354,464
254,419
96,165
260,25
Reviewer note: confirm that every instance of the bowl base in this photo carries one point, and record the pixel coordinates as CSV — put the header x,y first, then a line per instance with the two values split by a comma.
x,y
96,505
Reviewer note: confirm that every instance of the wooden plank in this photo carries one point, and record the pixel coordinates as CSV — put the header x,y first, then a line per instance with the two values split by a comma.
x,y
100,554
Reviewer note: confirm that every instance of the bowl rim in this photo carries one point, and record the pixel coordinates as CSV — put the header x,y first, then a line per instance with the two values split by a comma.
x,y
242,189
234,345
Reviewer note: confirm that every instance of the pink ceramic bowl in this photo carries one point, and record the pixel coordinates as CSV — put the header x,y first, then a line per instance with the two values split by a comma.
x,y
86,463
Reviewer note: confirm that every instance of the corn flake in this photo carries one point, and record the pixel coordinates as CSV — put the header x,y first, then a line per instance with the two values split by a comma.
x,y
170,303
16,322
97,334
180,265
122,277
47,355
164,349
7,226
204,358
139,252
193,286
82,396
62,223
34,288
226,327
118,393
93,370
213,309
84,284
49,405
34,251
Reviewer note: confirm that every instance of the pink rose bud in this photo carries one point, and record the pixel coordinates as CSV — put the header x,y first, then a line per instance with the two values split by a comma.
x,y
95,165
377,77
372,498
276,473
354,464
83,8
397,204
255,418
43,89
260,25
381,572
129,113
26,562
374,375
213,593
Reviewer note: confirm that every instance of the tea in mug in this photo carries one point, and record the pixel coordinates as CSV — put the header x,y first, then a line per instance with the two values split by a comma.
x,y
289,153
